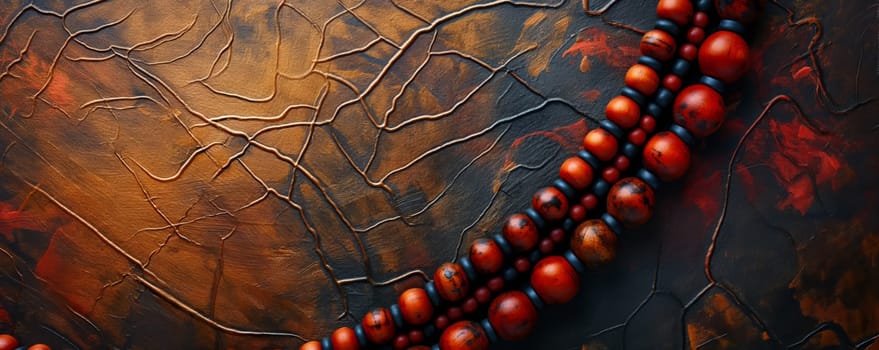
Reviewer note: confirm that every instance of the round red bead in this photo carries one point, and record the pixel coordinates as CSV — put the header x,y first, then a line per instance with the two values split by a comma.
x,y
724,55
695,35
451,282
688,52
610,174
589,201
400,343
379,326
441,322
39,347
576,172
672,82
8,342
700,19
648,123
745,11
601,144
495,284
470,305
464,335
557,235
486,256
594,243
699,109
551,204
577,212
621,162
643,79
555,280
455,313
637,136
512,315
344,339
416,336
520,231
631,202
678,11
623,111
312,345
416,307
667,156
658,44
546,246
483,295
522,264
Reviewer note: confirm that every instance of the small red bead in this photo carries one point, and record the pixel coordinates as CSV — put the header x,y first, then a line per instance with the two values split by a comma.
x,y
590,201
695,35
441,322
520,231
482,295
416,336
745,11
551,204
344,339
648,123
486,256
470,305
495,284
631,202
637,137
601,144
643,79
610,174
451,282
546,246
667,156
558,236
699,109
379,326
594,243
678,11
576,172
464,335
621,162
658,44
416,307
400,343
700,19
724,55
555,280
312,345
688,52
672,82
8,342
522,264
577,212
455,313
624,111
512,315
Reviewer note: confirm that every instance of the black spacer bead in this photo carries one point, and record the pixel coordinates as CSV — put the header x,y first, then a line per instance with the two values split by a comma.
x,y
575,261
569,225
683,134
649,178
706,6
664,98
651,62
594,162
566,189
503,244
536,218
535,256
681,68
510,274
668,27
612,222
630,150
397,315
467,266
489,330
361,336
634,95
326,344
732,26
612,128
654,109
535,299
713,83
435,347
429,331
430,288
600,188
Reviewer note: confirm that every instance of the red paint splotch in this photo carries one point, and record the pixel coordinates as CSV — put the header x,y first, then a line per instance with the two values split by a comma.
x,y
566,136
12,218
700,191
616,48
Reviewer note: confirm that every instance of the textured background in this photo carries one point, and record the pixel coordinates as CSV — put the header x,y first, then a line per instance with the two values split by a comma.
x,y
247,174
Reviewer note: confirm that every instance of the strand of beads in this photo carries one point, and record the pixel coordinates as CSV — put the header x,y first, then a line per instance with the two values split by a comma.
x,y
8,342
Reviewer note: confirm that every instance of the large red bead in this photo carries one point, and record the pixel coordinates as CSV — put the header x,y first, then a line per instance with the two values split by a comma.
x,y
550,203
667,156
464,335
379,326
594,243
451,282
512,315
631,202
555,280
658,44
699,109
8,342
624,111
643,79
724,55
601,144
576,172
415,306
678,11
520,231
312,345
344,339
39,347
486,256
745,11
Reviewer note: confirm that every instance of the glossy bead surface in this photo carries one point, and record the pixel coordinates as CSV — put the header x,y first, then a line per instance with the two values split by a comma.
x,y
631,202
312,345
345,339
637,136
401,342
745,11
699,109
672,82
724,55
658,44
600,143
551,204
555,280
594,243
700,19
695,35
623,111
415,306
610,174
464,335
486,255
451,282
39,347
643,79
667,156
678,11
379,326
512,315
688,52
520,231
8,342
576,172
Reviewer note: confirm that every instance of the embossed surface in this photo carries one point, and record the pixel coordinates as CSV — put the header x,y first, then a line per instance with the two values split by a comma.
x,y
250,174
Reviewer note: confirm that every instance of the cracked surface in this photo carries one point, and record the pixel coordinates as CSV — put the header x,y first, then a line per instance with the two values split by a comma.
x,y
250,174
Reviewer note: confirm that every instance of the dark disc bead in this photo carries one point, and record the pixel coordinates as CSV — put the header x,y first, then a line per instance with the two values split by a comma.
x,y
566,189
576,172
658,44
551,204
724,55
667,156
594,243
665,97
649,178
345,339
469,270
361,335
668,27
745,11
555,280
699,109
653,110
612,222
464,335
683,134
733,26
379,326
489,330
677,11
636,96
512,315
451,282
415,306
631,201
650,62
612,128
704,5
715,84
681,67
535,217
487,256
600,188
630,150
520,231
326,343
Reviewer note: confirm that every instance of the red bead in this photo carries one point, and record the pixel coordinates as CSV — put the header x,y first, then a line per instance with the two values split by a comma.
x,y
520,231
555,280
344,339
379,326
512,315
455,313
496,284
667,156
637,136
590,201
594,243
464,335
623,111
486,256
577,212
745,11
522,264
551,204
688,52
546,246
576,172
610,174
699,109
700,19
451,282
8,342
601,144
400,343
557,236
658,44
416,336
470,305
724,55
419,347
441,322
631,202
672,82
416,307
695,35
648,123
678,11
39,347
482,295
643,79
312,345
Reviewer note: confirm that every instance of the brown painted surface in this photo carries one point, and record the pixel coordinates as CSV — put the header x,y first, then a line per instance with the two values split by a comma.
x,y
251,174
